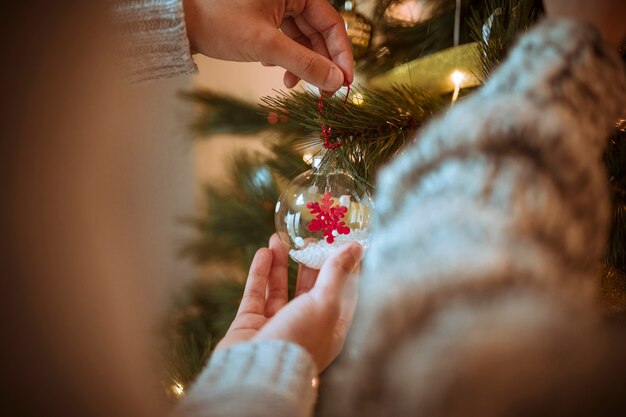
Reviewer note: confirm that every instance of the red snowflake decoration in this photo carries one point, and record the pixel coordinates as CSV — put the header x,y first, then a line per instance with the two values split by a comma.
x,y
328,218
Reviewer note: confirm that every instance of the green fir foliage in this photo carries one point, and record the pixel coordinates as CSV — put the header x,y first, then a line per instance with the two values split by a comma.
x,y
239,215
201,316
369,133
237,220
497,26
221,114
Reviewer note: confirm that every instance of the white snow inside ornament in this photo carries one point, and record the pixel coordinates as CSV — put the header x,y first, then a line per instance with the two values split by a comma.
x,y
320,211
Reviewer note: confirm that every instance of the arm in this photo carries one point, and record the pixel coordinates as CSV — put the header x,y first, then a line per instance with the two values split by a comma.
x,y
487,237
154,39
261,378
516,166
268,362
307,38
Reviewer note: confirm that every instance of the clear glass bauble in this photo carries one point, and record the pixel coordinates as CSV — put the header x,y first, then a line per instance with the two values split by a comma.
x,y
320,211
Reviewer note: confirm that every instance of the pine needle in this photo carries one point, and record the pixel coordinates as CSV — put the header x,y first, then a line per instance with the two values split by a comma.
x,y
370,133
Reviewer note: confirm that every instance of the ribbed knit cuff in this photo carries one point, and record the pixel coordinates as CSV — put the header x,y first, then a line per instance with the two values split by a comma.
x,y
268,378
154,39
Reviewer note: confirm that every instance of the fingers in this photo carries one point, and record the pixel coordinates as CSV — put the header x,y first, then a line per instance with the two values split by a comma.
x,y
289,28
306,279
304,63
335,273
348,307
277,295
290,80
302,32
325,20
317,42
253,300
313,46
292,30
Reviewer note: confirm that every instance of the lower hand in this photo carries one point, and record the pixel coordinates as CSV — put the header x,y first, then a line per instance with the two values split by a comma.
x,y
306,37
318,318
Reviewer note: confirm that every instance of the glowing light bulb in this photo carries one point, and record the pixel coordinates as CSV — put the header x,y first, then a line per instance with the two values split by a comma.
x,y
308,158
457,78
357,99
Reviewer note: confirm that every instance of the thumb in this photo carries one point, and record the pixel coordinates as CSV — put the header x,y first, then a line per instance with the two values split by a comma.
x,y
302,62
336,272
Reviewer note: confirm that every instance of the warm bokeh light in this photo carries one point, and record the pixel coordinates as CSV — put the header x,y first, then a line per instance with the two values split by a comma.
x,y
177,389
457,78
357,99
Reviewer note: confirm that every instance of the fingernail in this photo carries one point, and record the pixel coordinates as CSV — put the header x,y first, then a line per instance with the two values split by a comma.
x,y
335,78
357,252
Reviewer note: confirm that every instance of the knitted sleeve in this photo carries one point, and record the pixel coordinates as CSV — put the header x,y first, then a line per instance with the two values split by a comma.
x,y
270,378
153,39
511,174
514,169
480,226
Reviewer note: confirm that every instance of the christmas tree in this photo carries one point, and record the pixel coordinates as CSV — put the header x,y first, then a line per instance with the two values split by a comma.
x,y
416,58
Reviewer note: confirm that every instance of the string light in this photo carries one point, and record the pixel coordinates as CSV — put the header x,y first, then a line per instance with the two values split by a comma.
x,y
357,99
177,389
308,158
457,78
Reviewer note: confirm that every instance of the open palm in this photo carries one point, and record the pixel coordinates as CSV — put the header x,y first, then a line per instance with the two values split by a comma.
x,y
319,316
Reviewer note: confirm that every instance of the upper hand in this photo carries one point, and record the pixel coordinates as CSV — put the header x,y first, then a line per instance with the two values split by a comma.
x,y
318,318
311,44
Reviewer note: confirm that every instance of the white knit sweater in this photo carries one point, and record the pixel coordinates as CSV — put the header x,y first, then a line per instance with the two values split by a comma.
x,y
487,234
155,39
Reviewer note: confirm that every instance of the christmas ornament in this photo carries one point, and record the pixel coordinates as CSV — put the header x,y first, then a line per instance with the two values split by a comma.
x,y
320,211
406,13
359,29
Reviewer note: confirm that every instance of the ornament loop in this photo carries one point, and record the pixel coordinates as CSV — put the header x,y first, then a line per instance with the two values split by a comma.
x,y
327,129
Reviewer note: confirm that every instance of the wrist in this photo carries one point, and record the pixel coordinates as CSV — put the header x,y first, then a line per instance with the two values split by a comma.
x,y
190,13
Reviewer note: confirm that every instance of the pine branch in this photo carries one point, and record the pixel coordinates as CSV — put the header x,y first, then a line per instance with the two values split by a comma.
x,y
221,114
505,20
239,214
239,217
197,321
370,133
286,161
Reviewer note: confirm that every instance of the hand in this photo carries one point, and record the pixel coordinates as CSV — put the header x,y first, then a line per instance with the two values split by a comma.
x,y
311,44
318,318
608,16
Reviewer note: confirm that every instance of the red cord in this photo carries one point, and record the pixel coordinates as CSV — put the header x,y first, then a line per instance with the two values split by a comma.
x,y
327,129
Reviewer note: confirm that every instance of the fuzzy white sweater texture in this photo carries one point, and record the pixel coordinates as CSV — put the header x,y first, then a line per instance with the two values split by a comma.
x,y
155,43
